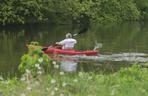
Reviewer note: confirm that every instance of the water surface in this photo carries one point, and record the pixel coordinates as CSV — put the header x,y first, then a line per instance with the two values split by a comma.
x,y
131,37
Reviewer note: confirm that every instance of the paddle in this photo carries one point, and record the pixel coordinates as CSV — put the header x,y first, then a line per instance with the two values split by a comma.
x,y
98,45
57,45
81,31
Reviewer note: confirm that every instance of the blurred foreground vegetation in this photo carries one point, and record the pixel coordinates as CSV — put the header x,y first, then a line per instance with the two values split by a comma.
x,y
126,82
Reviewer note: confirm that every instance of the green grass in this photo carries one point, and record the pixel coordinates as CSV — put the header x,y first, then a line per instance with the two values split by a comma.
x,y
132,81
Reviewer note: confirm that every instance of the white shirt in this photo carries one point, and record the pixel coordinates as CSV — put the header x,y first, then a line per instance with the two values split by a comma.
x,y
68,43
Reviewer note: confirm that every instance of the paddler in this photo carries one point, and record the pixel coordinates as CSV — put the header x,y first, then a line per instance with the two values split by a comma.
x,y
68,42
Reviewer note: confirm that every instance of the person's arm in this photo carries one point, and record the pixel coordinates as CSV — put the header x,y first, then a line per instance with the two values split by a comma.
x,y
61,42
75,41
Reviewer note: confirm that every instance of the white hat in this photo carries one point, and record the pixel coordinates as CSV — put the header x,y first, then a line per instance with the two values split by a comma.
x,y
68,35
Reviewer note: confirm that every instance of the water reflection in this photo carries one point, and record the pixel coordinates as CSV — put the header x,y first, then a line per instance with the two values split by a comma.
x,y
123,42
68,65
129,57
105,63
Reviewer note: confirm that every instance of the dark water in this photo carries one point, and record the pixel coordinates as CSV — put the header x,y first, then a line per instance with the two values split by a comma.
x,y
131,37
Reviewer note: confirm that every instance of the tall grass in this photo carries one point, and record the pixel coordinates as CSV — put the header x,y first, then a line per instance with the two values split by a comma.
x,y
126,82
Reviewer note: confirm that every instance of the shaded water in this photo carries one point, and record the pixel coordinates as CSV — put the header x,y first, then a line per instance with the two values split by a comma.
x,y
131,37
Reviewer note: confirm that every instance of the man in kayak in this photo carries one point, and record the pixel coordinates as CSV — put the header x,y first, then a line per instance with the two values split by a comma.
x,y
68,42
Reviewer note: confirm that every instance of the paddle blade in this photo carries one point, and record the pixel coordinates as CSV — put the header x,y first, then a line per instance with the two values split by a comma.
x,y
98,45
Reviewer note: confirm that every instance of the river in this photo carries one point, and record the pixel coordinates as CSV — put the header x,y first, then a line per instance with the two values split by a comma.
x,y
119,42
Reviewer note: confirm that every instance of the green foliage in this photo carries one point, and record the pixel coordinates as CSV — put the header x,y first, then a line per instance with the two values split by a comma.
x,y
133,73
66,11
129,10
110,10
14,11
126,82
142,6
8,86
34,59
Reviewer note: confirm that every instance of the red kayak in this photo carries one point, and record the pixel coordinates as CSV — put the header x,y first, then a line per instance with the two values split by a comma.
x,y
52,50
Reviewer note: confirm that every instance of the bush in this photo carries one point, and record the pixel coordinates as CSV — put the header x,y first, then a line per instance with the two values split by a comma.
x,y
66,11
34,60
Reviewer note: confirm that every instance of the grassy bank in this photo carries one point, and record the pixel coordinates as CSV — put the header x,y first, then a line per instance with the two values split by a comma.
x,y
126,82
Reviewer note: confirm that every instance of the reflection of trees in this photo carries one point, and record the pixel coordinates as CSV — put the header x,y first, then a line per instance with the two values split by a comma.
x,y
124,37
10,52
130,38
115,38
14,38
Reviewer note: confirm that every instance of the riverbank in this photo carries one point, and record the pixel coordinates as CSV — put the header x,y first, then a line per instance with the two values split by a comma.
x,y
130,81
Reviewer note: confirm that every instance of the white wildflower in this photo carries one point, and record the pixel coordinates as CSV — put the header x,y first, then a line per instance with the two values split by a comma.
x,y
23,94
36,83
64,84
75,80
40,60
1,78
27,71
29,88
61,73
37,65
52,93
80,74
89,77
53,81
39,68
39,72
23,78
56,66
56,89
61,94
47,89
54,63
